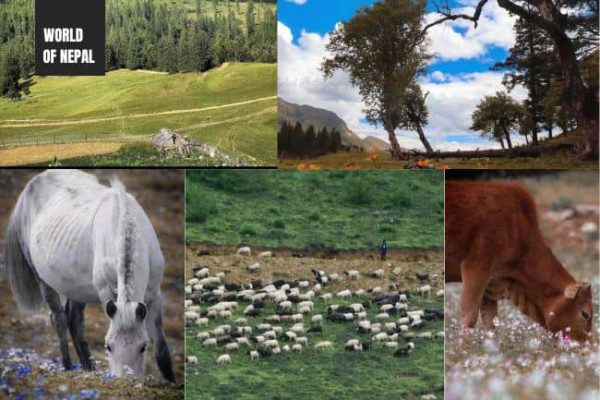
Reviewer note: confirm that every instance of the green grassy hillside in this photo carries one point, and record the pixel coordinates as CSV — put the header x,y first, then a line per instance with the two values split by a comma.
x,y
335,209
233,107
315,374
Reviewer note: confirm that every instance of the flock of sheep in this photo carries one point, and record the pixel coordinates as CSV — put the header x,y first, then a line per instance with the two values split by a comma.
x,y
286,311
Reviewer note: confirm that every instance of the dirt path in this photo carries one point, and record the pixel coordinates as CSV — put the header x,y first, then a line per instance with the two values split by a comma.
x,y
36,123
41,153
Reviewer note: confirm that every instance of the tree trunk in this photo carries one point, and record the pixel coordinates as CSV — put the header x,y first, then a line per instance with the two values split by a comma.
x,y
501,143
550,129
527,140
507,137
423,138
395,146
581,101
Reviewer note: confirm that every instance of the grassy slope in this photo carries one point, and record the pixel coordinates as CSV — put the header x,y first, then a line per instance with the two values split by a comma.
x,y
299,209
126,92
333,375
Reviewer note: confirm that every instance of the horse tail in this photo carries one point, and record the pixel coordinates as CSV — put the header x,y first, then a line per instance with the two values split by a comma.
x,y
126,235
23,278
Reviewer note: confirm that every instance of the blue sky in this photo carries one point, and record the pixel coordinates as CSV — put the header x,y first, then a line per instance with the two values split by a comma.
x,y
458,77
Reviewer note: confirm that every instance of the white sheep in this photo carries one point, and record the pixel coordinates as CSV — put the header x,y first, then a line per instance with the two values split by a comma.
x,y
391,345
352,274
440,293
297,348
352,343
326,297
428,397
304,310
385,308
297,318
357,307
349,317
362,315
254,355
265,254
380,337
191,360
270,343
390,326
425,335
212,342
334,277
302,340
270,335
403,298
202,321
191,316
344,294
285,305
202,335
188,289
264,327
244,251
403,328
383,316
360,292
425,290
324,345
188,303
224,359
275,350
255,267
317,319
202,273
440,335
285,348
303,284
233,346
243,341
378,274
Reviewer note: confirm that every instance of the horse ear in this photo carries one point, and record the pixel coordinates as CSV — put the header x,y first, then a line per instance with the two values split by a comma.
x,y
110,308
140,312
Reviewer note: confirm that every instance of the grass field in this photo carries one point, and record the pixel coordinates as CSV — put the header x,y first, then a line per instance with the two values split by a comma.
x,y
314,374
232,107
312,210
520,360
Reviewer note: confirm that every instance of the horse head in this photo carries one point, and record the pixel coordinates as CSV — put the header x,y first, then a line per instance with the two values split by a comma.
x,y
127,340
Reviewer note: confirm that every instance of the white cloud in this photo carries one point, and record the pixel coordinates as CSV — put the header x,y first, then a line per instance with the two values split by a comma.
x,y
459,39
299,2
451,101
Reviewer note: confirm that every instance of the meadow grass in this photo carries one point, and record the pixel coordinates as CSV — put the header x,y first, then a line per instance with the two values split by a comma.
x,y
315,374
315,209
243,129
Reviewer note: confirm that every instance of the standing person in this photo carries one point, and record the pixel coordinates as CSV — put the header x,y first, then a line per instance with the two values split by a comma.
x,y
383,249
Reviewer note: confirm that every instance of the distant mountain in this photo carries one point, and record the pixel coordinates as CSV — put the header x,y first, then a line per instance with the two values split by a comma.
x,y
319,118
376,143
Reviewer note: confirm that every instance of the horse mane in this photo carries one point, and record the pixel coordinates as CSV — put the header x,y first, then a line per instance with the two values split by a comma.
x,y
126,238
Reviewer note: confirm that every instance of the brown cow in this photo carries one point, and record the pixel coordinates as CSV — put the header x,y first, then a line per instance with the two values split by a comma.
x,y
494,246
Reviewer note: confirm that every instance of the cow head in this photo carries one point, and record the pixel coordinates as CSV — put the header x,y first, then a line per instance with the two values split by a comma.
x,y
572,313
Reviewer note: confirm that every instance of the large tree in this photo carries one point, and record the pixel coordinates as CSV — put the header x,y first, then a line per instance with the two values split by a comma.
x,y
383,50
531,63
551,17
496,117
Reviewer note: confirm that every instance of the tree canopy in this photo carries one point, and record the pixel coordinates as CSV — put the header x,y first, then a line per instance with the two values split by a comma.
x,y
383,50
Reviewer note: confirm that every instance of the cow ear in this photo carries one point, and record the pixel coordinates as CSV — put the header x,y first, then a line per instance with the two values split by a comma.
x,y
110,308
579,288
140,312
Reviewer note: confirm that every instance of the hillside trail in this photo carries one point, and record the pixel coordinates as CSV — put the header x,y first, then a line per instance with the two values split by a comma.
x,y
41,123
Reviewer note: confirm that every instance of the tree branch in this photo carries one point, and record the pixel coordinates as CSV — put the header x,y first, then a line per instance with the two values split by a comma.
x,y
448,16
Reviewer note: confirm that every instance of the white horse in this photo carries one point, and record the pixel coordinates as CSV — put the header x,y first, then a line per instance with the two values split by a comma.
x,y
69,235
